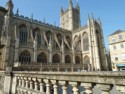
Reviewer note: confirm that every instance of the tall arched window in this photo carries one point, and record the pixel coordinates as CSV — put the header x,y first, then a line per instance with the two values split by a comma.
x,y
77,60
56,58
48,35
85,42
59,38
25,57
36,33
86,62
67,59
23,35
42,58
69,40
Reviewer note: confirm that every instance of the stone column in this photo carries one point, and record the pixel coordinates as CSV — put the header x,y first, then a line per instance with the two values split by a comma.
x,y
54,82
50,50
63,55
88,88
47,86
64,86
75,87
73,55
121,89
35,48
105,88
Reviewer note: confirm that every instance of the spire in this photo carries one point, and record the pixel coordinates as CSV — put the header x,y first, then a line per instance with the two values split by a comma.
x,y
89,20
61,11
70,4
32,17
9,7
77,5
17,12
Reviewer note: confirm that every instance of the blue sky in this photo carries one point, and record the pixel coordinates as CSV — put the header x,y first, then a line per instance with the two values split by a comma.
x,y
111,12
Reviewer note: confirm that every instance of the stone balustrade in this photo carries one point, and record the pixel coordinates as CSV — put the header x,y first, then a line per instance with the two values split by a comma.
x,y
50,67
50,82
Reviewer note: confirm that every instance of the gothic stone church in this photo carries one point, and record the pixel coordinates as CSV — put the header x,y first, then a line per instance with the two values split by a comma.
x,y
28,44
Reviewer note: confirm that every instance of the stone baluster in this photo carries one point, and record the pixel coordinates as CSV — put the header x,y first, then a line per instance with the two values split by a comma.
x,y
88,88
19,82
105,88
64,86
23,82
41,85
121,89
27,83
54,82
31,83
75,87
47,86
36,85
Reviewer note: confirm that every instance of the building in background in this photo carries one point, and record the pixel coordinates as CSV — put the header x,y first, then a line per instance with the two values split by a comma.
x,y
31,44
117,50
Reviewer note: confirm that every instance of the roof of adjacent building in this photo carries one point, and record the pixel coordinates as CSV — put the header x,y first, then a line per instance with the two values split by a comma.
x,y
117,32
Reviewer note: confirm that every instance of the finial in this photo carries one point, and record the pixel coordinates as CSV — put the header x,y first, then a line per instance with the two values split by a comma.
x,y
17,12
44,20
32,17
54,23
70,4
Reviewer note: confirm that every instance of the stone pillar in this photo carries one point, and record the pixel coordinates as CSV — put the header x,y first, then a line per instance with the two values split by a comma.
x,y
50,51
75,87
64,86
121,89
54,82
63,55
88,88
73,55
47,86
105,88
7,82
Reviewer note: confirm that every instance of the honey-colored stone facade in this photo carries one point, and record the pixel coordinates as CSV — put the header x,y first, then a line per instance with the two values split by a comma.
x,y
28,41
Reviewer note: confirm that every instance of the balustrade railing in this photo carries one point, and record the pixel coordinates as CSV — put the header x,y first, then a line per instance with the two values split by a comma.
x,y
53,67
50,82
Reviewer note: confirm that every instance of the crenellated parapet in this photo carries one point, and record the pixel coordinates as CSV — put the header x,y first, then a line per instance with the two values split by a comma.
x,y
34,21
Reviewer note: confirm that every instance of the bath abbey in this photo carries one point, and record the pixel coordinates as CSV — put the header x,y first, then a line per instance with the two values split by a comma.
x,y
29,44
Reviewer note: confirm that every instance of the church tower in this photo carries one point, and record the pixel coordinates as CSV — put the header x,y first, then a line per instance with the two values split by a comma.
x,y
70,19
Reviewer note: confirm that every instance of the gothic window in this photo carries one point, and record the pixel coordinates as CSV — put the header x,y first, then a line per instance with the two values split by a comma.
x,y
59,38
76,39
68,40
77,60
42,58
56,58
67,59
66,47
86,63
36,33
55,45
85,42
48,35
23,35
25,57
